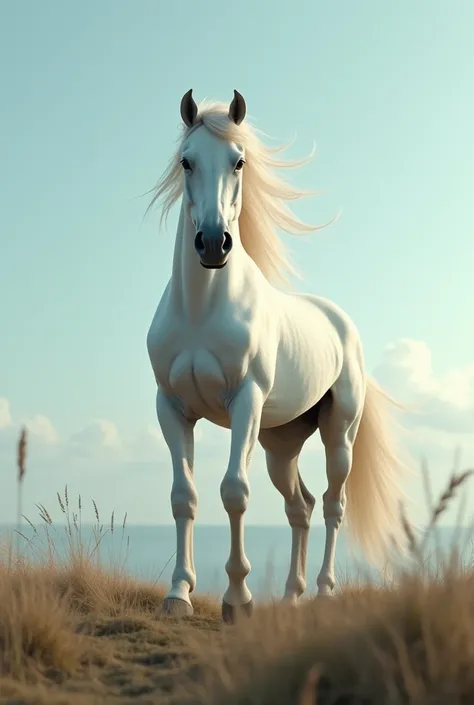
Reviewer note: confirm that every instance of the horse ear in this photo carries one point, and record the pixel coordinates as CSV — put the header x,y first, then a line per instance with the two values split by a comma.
x,y
237,108
189,109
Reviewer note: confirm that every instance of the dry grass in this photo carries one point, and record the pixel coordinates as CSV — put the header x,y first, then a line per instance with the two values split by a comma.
x,y
81,633
72,633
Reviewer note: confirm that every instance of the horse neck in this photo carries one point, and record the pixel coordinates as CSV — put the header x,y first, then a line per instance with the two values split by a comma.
x,y
196,290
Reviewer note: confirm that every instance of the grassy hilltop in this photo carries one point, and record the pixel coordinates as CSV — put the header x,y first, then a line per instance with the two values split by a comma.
x,y
73,634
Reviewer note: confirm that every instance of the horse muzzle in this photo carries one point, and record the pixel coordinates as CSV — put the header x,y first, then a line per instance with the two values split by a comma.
x,y
213,247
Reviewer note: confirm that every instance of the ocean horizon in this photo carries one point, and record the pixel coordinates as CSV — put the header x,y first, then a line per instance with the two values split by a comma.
x,y
146,552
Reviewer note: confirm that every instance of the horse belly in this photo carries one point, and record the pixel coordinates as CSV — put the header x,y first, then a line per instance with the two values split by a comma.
x,y
289,399
304,372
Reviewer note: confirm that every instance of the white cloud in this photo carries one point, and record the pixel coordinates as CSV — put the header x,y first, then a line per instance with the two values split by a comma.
x,y
98,436
42,435
440,422
444,402
42,429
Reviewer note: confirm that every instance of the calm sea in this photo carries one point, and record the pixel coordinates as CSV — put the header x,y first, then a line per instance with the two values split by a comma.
x,y
147,553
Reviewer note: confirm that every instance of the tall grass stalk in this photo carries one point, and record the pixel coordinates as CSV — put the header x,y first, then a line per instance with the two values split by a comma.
x,y
21,471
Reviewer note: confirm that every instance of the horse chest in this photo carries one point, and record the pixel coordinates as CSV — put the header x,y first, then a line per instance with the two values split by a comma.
x,y
201,367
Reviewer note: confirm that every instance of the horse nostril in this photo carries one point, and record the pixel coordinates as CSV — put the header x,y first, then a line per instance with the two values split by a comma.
x,y
199,244
227,245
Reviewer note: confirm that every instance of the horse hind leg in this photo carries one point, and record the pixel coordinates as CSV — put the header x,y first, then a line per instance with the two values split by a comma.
x,y
299,507
299,517
282,446
339,421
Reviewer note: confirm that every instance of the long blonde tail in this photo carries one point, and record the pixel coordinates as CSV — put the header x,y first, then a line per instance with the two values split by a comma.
x,y
373,488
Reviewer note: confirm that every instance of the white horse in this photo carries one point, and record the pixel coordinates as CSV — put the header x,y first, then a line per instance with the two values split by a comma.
x,y
226,345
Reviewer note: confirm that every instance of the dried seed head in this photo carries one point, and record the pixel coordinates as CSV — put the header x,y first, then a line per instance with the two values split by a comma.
x,y
96,511
21,457
61,504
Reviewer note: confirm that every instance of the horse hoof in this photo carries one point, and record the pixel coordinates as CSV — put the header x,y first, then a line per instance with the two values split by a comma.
x,y
174,607
229,612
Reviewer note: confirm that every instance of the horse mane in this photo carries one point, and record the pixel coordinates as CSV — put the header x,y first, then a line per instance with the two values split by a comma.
x,y
264,193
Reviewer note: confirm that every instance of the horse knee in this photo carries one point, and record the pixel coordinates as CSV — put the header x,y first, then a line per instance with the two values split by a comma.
x,y
235,493
184,499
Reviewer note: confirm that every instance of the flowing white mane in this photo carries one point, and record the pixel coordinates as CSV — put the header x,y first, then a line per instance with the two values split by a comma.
x,y
264,195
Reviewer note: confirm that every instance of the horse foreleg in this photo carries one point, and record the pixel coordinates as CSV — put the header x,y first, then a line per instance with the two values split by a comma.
x,y
245,413
178,434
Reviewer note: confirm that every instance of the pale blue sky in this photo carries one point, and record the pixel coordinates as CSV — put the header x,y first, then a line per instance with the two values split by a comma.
x,y
90,107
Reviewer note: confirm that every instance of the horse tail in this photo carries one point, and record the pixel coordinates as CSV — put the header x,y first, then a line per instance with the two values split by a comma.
x,y
373,488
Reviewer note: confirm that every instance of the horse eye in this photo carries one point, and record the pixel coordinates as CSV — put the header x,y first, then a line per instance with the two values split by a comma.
x,y
239,164
186,165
